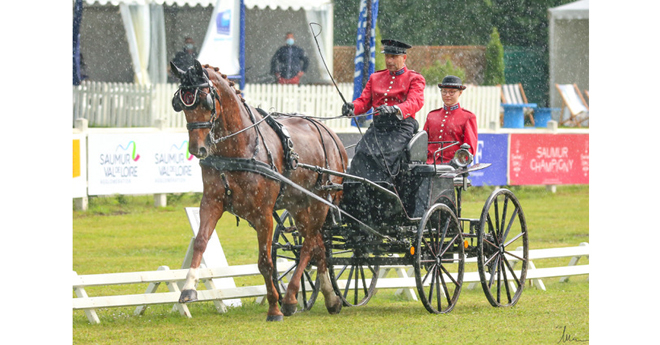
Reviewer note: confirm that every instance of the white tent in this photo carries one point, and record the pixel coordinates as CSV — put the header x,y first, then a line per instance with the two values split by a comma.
x,y
568,47
141,26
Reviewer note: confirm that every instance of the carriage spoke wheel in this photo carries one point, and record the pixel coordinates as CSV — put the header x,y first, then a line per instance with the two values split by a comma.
x,y
502,230
439,260
354,280
287,244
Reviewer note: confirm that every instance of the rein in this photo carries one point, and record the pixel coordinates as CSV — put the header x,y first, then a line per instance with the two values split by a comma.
x,y
217,140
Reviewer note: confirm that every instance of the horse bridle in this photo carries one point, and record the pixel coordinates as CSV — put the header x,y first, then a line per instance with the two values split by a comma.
x,y
190,98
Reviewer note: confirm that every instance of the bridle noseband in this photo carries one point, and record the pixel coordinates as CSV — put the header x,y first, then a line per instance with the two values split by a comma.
x,y
188,97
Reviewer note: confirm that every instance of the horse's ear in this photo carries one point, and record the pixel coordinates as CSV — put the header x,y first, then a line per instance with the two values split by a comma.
x,y
176,70
198,67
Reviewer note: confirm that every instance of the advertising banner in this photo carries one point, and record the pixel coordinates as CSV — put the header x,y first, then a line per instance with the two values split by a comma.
x,y
142,163
79,166
549,159
491,148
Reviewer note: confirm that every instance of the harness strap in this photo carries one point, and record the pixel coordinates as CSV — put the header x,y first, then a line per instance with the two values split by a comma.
x,y
258,167
291,158
229,195
251,165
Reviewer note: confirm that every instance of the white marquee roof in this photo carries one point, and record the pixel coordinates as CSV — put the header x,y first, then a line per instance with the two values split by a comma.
x,y
250,4
574,10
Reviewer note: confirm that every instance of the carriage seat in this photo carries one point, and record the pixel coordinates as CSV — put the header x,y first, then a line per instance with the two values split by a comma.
x,y
417,148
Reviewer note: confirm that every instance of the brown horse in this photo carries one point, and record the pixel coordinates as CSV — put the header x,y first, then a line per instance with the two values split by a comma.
x,y
225,129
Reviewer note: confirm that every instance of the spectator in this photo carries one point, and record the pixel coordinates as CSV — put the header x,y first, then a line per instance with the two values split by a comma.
x,y
186,57
450,123
289,62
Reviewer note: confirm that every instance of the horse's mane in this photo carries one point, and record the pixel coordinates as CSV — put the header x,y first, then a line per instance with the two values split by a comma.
x,y
192,78
222,76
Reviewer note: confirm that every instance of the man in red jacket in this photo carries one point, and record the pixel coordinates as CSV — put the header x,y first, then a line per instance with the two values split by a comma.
x,y
396,94
450,123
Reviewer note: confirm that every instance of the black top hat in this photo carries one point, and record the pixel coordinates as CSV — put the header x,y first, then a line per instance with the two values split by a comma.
x,y
394,47
452,82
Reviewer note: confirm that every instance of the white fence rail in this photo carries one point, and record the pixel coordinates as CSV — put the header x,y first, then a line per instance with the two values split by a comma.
x,y
405,282
131,105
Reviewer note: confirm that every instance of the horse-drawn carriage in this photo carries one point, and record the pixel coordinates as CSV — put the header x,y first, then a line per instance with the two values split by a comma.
x,y
341,229
418,224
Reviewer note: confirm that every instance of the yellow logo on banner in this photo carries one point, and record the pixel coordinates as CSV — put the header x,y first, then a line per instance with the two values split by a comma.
x,y
76,157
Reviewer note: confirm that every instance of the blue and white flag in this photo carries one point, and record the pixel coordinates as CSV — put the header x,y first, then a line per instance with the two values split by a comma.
x,y
360,78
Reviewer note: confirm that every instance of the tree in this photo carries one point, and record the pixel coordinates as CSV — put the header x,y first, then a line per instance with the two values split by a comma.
x,y
494,73
380,58
435,73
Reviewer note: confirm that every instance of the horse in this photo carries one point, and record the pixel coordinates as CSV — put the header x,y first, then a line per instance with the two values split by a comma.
x,y
244,167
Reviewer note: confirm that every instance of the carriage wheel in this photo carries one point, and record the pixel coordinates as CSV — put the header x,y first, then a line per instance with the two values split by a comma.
x,y
287,244
439,259
502,229
355,282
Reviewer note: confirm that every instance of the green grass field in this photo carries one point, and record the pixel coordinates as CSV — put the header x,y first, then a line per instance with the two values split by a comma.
x,y
126,234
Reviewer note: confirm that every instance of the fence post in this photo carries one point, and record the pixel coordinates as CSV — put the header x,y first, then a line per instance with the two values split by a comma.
x,y
160,200
81,204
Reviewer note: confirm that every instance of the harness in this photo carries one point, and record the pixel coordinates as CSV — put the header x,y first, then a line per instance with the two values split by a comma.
x,y
189,96
290,156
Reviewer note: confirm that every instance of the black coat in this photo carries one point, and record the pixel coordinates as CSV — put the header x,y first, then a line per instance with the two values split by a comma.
x,y
288,61
183,60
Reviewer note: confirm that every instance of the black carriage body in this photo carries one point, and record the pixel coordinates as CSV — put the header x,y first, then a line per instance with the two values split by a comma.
x,y
398,215
419,188
417,221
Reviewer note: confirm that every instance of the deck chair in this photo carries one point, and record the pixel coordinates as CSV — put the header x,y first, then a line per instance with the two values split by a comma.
x,y
586,93
573,101
514,94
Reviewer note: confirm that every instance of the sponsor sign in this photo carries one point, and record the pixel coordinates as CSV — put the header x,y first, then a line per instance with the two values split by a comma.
x,y
142,163
547,159
491,148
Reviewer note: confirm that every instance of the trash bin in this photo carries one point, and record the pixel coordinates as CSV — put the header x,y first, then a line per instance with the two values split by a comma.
x,y
514,115
542,116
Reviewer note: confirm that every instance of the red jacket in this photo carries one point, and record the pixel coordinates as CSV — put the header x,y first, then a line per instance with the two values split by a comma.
x,y
405,90
445,124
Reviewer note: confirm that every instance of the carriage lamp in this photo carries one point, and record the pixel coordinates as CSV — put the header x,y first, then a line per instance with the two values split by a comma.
x,y
463,157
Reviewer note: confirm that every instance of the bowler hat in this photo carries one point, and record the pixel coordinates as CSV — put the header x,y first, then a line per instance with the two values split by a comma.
x,y
394,47
452,82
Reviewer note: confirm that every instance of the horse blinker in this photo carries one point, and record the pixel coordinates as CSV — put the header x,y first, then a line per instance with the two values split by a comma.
x,y
188,99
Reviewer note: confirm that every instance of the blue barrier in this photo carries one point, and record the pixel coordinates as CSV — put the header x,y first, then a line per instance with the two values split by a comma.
x,y
514,116
542,116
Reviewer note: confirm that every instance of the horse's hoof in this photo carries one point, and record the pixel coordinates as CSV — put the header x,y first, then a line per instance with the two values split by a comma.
x,y
336,308
274,318
188,296
289,309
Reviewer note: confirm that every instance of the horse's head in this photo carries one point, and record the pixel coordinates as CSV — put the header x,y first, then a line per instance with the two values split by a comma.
x,y
196,88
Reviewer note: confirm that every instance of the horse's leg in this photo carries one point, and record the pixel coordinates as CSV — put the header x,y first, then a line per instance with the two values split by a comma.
x,y
290,302
264,227
332,302
310,227
209,214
